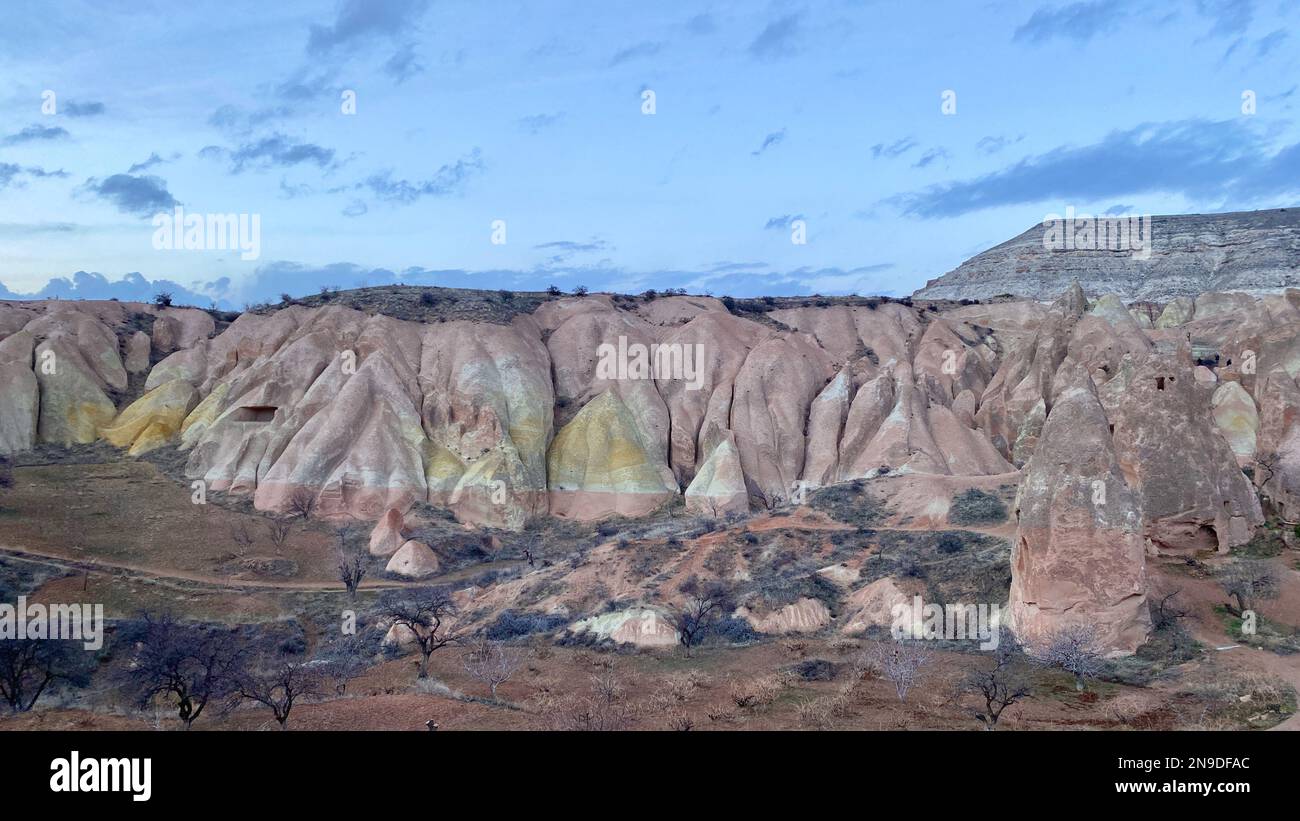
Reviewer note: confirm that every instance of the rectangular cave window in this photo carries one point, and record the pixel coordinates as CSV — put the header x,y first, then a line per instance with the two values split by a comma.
x,y
1160,383
254,413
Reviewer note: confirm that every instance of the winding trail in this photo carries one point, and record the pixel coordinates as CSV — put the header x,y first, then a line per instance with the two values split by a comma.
x,y
185,581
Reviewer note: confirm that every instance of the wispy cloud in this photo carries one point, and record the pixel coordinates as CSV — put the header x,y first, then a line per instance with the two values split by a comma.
x,y
275,151
564,250
773,139
448,180
29,229
13,174
778,39
635,52
1265,45
360,21
1078,21
994,144
894,149
36,133
782,222
930,156
1229,16
404,64
86,109
1201,160
145,165
536,123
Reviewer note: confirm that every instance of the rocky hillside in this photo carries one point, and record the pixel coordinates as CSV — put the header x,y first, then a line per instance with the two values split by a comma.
x,y
1127,437
1255,252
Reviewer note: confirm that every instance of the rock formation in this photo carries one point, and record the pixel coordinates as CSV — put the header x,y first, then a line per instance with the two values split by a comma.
x,y
607,406
1078,556
1190,254
415,560
387,537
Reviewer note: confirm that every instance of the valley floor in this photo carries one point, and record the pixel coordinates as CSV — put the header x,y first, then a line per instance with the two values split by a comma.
x,y
127,535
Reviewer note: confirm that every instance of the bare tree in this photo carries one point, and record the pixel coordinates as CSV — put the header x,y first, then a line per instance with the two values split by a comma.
x,y
279,686
242,537
704,604
899,662
302,502
344,661
352,565
277,530
1267,465
1002,684
1166,612
1248,581
29,667
427,620
188,663
492,663
1073,648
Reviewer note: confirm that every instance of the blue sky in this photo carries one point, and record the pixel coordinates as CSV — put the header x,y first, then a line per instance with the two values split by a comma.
x,y
532,113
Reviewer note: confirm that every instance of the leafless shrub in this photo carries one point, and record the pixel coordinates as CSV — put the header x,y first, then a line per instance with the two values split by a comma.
x,y
678,688
352,566
898,662
302,503
704,603
1125,708
1075,649
820,713
795,648
1166,612
1248,581
603,709
1002,684
756,693
492,663
843,647
681,722
697,679
277,530
1267,465
242,537
721,715
344,662
815,714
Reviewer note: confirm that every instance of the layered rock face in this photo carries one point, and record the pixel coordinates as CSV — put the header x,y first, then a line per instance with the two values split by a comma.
x,y
62,368
587,408
1255,252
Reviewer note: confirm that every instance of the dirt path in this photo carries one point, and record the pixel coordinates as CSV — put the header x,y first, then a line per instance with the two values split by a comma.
x,y
182,580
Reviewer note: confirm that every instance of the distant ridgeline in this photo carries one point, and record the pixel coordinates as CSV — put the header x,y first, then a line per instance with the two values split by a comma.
x,y
1138,258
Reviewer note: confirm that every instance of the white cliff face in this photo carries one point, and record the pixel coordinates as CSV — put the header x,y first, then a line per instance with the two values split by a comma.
x,y
1254,252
